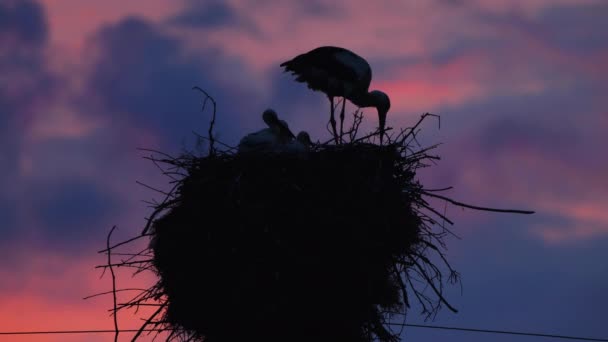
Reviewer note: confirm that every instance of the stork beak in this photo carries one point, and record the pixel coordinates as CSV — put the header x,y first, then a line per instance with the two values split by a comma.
x,y
290,133
286,129
382,123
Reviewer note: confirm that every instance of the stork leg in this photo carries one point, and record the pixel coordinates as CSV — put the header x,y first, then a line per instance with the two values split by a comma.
x,y
342,119
332,119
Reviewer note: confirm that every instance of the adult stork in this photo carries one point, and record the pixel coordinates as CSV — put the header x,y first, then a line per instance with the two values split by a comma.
x,y
339,72
268,139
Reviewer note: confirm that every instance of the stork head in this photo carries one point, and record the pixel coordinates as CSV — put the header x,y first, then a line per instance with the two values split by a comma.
x,y
280,127
382,103
270,117
304,138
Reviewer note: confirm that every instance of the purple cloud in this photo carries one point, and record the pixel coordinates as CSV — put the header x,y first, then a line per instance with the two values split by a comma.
x,y
23,21
73,211
213,14
144,77
576,29
26,83
520,86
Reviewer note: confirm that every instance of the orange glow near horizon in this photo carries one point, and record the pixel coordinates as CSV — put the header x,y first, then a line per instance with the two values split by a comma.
x,y
46,293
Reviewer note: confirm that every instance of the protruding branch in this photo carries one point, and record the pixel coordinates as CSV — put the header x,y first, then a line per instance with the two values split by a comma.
x,y
460,204
114,311
212,123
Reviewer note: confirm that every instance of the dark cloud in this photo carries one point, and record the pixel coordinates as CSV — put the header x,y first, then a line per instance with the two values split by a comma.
x,y
303,108
100,150
516,132
509,281
214,14
23,33
207,14
561,118
385,67
217,14
23,21
553,127
460,47
8,218
577,29
312,8
288,93
144,77
557,121
139,72
26,81
318,8
72,211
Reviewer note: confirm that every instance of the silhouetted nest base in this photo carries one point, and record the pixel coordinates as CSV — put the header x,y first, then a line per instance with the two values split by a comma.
x,y
329,246
281,244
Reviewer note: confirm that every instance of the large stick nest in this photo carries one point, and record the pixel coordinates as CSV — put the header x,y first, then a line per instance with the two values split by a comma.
x,y
329,245
275,244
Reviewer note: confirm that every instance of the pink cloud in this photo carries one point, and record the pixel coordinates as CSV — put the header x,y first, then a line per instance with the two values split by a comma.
x,y
526,64
60,121
71,21
46,293
526,178
368,28
525,7
568,234
425,86
375,29
398,30
393,29
586,219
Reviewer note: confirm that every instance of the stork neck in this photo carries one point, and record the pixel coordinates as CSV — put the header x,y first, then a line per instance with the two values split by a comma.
x,y
363,99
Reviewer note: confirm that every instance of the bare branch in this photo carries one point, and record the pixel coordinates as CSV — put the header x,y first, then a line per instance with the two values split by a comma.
x,y
115,313
148,322
112,292
460,204
212,123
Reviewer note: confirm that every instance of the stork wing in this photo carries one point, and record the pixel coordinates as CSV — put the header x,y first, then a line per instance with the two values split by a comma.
x,y
359,70
333,70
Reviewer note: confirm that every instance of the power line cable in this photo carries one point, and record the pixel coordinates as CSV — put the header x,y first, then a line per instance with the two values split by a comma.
x,y
504,332
49,332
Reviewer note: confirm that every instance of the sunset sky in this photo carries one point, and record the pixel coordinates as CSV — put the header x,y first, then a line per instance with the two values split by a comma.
x,y
521,87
